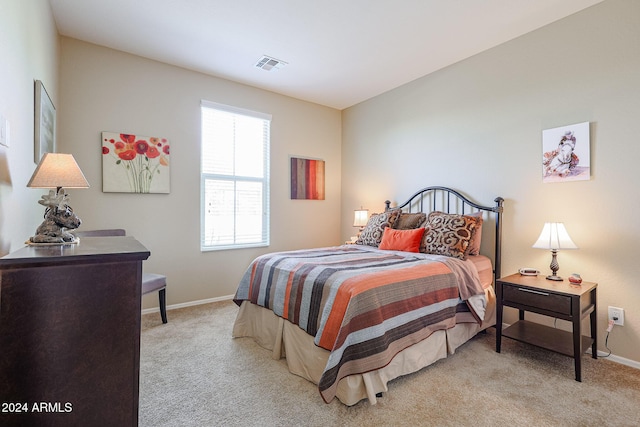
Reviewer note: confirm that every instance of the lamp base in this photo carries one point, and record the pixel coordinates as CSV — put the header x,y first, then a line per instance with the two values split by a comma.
x,y
30,243
58,218
554,267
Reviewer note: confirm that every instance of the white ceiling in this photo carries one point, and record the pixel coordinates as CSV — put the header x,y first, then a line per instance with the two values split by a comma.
x,y
339,52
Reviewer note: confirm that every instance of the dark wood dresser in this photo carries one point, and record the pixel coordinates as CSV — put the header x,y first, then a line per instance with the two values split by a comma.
x,y
70,333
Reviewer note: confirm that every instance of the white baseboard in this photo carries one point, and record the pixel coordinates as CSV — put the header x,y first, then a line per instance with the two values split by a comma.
x,y
188,304
617,359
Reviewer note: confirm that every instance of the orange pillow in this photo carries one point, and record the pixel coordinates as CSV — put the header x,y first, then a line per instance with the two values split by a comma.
x,y
401,240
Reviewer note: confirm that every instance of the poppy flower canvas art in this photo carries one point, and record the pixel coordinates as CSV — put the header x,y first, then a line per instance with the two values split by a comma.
x,y
135,163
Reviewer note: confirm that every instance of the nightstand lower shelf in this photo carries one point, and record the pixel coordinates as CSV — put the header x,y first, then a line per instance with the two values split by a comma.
x,y
546,337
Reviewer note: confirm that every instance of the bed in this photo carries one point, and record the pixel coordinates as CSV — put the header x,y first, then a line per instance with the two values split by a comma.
x,y
416,285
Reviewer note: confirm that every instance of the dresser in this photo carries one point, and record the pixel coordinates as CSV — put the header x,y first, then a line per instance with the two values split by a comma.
x,y
70,333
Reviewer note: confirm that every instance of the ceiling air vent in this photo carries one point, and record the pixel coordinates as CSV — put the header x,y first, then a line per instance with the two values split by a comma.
x,y
270,64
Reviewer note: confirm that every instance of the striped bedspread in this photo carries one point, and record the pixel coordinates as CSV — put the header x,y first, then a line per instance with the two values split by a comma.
x,y
362,304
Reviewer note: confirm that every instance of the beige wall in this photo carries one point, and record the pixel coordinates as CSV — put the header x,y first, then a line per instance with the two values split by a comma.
x,y
29,51
106,90
476,126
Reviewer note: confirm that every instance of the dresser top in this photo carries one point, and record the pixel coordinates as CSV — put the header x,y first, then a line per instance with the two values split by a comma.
x,y
88,249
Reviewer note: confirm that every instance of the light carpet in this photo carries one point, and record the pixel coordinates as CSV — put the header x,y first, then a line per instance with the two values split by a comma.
x,y
193,373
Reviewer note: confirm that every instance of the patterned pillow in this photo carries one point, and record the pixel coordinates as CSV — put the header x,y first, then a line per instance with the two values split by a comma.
x,y
409,221
476,240
372,233
448,234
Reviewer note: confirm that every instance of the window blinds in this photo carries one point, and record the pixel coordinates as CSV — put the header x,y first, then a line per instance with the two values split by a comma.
x,y
234,177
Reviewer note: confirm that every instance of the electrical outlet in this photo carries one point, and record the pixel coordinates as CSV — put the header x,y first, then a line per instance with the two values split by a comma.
x,y
617,315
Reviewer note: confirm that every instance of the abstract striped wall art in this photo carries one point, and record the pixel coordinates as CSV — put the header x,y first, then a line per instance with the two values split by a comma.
x,y
307,179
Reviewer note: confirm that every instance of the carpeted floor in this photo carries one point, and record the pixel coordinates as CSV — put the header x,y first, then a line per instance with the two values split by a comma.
x,y
192,373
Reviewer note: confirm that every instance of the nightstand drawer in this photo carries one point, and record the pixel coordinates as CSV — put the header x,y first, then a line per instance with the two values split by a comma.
x,y
536,298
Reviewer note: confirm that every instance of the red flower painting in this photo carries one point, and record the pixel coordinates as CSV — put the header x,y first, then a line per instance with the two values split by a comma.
x,y
141,160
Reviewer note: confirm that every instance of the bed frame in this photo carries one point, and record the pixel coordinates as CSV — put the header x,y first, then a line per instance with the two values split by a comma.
x,y
448,200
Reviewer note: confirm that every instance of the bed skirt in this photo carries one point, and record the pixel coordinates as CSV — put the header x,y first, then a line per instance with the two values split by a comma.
x,y
307,360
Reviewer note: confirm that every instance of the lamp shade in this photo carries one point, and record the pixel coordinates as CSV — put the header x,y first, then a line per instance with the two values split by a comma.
x,y
554,236
57,170
360,217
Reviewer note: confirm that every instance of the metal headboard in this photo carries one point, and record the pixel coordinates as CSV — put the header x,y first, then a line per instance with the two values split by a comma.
x,y
448,200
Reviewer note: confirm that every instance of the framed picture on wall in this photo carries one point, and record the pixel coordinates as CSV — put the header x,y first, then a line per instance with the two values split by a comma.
x,y
307,179
566,153
45,123
135,163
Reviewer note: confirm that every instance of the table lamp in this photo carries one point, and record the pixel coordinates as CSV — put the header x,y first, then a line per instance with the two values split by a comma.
x,y
554,236
57,170
360,218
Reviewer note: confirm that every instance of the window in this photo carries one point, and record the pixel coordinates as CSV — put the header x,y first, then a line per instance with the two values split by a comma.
x,y
234,185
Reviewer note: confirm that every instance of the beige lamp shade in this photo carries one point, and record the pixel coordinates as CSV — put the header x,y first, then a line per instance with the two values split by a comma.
x,y
57,170
360,217
554,236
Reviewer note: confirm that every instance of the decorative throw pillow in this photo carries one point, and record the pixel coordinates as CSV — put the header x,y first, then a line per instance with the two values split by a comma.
x,y
448,234
409,221
372,233
476,240
402,240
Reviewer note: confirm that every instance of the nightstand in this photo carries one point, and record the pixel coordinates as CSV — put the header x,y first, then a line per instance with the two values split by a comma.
x,y
562,300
